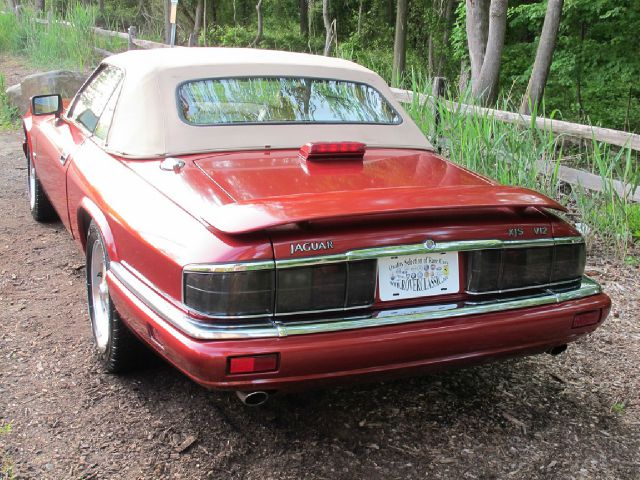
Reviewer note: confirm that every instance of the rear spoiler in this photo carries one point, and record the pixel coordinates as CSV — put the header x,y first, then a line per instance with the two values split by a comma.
x,y
270,212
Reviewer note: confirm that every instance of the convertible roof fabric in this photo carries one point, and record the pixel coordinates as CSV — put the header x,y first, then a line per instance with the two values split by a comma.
x,y
146,121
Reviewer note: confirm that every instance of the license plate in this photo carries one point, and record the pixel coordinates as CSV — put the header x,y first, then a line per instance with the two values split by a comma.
x,y
412,276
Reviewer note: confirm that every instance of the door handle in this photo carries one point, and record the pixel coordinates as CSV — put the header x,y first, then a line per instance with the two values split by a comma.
x,y
64,156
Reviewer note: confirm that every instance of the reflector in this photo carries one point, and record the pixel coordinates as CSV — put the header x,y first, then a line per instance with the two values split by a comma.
x,y
586,318
253,364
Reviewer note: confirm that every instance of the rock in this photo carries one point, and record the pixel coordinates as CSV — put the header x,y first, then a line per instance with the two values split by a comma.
x,y
64,82
14,95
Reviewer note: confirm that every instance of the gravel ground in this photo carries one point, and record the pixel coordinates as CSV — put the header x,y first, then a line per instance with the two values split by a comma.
x,y
572,416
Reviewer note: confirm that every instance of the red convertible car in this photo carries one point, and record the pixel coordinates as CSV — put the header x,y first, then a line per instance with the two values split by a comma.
x,y
269,221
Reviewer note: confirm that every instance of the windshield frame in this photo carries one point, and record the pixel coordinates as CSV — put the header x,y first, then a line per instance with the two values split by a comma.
x,y
400,118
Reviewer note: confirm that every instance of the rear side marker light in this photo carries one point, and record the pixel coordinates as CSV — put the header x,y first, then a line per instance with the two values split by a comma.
x,y
253,364
585,319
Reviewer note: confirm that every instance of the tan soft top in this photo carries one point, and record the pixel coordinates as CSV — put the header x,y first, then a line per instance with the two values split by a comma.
x,y
146,121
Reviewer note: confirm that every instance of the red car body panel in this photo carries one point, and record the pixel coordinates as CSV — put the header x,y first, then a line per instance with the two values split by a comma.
x,y
248,206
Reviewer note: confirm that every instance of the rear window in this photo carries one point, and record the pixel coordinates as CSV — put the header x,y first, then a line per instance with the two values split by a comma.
x,y
274,100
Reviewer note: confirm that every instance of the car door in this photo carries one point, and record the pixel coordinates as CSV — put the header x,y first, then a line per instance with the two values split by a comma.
x,y
61,138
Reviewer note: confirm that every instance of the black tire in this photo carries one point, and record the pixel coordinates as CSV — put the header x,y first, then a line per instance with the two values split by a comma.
x,y
117,348
39,204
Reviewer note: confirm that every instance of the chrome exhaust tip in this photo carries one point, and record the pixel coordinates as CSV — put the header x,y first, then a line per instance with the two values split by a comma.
x,y
557,350
253,399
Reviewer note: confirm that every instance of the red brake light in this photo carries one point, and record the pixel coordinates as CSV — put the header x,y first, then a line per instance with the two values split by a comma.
x,y
333,150
253,364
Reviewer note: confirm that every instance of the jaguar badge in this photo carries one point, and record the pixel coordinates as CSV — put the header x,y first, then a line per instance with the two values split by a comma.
x,y
311,246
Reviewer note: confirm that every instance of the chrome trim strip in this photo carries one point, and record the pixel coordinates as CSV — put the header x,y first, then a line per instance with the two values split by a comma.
x,y
229,267
207,331
520,289
454,246
377,252
421,314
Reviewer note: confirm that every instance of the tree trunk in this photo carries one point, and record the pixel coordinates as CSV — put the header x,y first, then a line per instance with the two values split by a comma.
x,y
40,6
167,21
544,57
579,62
446,33
258,39
430,56
235,14
485,86
304,18
360,16
197,21
463,79
399,45
12,5
477,33
328,27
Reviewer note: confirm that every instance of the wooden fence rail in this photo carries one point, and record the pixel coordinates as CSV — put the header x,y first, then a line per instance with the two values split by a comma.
x,y
560,127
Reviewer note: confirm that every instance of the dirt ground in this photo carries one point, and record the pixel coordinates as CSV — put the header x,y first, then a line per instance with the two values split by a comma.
x,y
576,416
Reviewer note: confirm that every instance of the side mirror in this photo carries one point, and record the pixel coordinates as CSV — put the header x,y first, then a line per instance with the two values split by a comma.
x,y
46,105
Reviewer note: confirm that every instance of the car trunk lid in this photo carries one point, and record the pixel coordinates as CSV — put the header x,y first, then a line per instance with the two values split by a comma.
x,y
275,188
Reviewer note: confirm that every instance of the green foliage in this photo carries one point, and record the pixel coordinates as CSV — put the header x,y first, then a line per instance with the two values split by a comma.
x,y
594,75
6,465
633,214
618,408
55,45
6,428
8,121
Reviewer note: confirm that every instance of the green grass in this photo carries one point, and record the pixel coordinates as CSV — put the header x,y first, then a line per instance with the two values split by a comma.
x,y
6,428
618,408
51,46
8,114
6,465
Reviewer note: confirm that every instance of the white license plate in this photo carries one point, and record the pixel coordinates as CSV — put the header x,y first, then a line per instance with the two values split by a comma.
x,y
412,276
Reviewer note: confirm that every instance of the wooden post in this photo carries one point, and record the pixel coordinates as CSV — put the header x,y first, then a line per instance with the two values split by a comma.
x,y
133,32
49,19
439,89
173,19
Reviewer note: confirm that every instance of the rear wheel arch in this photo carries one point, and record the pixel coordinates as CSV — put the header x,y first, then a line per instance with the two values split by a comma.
x,y
89,212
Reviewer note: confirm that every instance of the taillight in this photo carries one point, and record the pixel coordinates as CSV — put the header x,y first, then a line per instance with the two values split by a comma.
x,y
244,293
519,268
319,287
332,150
326,287
569,262
264,292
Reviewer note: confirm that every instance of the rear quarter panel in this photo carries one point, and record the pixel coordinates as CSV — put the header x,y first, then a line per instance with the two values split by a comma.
x,y
151,234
